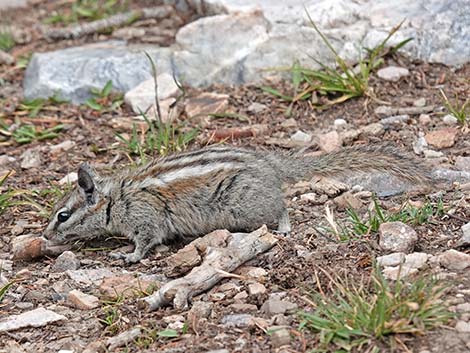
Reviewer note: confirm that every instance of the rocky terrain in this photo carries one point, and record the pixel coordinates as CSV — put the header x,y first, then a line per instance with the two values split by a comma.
x,y
373,263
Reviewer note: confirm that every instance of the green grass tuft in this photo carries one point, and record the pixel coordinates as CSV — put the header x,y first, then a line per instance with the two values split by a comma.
x,y
342,82
366,315
6,39
460,112
87,10
355,226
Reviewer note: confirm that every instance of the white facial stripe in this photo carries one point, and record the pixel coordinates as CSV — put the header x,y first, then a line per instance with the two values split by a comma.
x,y
184,173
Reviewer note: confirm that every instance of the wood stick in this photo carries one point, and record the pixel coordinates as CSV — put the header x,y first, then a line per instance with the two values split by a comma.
x,y
80,30
216,263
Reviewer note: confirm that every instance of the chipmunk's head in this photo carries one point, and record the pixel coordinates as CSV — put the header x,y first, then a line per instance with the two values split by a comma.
x,y
81,214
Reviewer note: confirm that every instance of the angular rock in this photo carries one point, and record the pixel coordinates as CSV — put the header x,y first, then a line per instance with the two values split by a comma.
x,y
330,141
66,261
123,338
238,320
301,137
397,237
330,187
462,326
449,119
243,308
392,73
201,309
397,272
347,200
442,138
256,288
374,129
27,247
62,147
31,158
394,259
279,337
73,72
82,300
256,273
420,102
206,103
142,97
126,286
465,238
70,178
394,120
277,306
6,160
454,260
416,260
256,108
35,318
89,277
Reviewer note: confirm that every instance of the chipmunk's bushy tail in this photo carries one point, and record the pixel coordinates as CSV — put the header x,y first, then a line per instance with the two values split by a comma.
x,y
382,158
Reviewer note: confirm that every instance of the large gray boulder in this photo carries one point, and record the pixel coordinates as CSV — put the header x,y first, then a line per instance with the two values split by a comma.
x,y
73,72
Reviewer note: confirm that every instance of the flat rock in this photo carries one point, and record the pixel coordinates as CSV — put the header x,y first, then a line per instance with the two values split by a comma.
x,y
70,178
238,320
454,260
374,129
62,147
396,272
279,336
276,306
397,237
256,288
82,300
35,318
75,71
416,260
206,103
90,276
391,260
31,158
462,326
66,261
442,138
465,238
302,137
392,73
142,97
449,119
6,160
127,286
330,141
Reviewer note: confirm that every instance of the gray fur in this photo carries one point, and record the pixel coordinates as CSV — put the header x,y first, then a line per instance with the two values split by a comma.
x,y
194,193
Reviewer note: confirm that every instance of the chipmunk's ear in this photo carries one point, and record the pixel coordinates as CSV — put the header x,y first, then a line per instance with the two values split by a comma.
x,y
87,179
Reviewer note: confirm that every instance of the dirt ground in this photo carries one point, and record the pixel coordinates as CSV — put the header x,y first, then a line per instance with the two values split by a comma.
x,y
294,266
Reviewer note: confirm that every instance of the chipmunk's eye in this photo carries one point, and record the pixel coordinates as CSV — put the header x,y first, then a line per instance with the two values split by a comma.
x,y
63,216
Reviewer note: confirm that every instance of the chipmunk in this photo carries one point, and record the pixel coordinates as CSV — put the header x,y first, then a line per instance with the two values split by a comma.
x,y
194,193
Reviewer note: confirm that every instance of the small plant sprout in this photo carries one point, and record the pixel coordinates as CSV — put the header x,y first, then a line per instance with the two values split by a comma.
x,y
6,39
459,111
104,99
362,315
